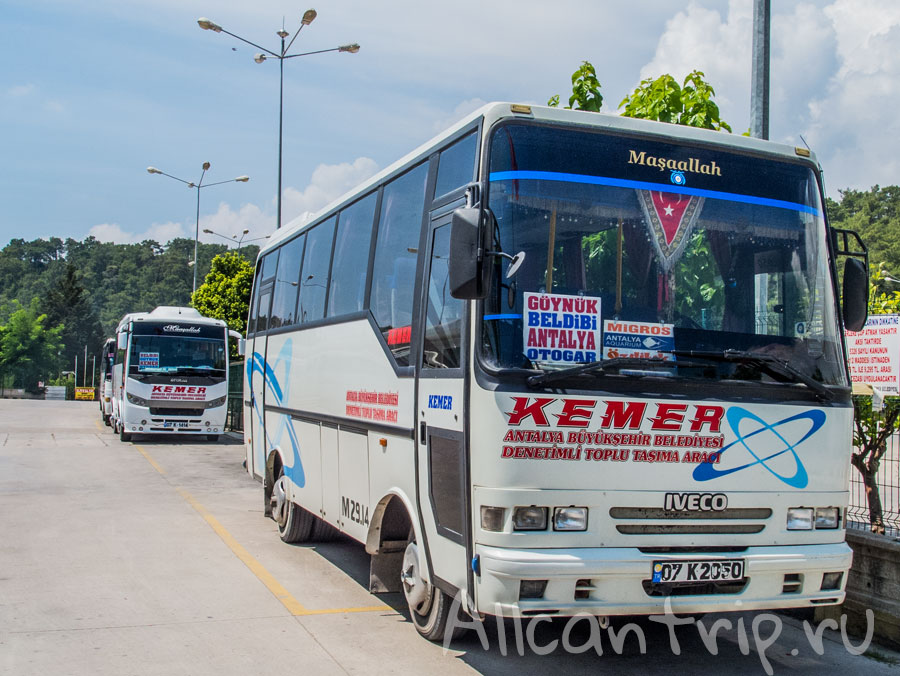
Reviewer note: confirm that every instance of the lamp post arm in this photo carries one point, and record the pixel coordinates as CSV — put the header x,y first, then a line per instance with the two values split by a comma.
x,y
288,48
318,51
253,44
175,177
209,185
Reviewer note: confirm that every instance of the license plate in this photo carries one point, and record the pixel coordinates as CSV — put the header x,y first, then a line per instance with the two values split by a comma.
x,y
698,571
177,425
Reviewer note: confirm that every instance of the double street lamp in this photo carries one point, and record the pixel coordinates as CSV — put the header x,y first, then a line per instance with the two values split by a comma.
x,y
282,56
198,185
240,240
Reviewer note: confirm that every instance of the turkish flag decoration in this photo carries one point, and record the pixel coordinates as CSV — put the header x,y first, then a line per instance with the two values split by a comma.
x,y
670,211
670,217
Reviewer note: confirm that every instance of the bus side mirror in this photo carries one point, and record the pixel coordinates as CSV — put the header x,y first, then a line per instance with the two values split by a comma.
x,y
855,297
466,266
122,341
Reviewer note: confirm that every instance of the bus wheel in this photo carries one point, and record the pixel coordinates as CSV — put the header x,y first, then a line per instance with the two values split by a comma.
x,y
429,607
123,435
323,531
294,523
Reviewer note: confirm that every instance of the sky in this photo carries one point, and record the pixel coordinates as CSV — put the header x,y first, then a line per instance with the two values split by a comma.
x,y
95,91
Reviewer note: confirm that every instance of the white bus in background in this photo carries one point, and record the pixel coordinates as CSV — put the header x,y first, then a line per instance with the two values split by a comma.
x,y
170,374
563,362
107,360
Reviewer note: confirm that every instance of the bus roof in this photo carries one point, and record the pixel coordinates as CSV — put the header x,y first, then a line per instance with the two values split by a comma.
x,y
169,313
497,111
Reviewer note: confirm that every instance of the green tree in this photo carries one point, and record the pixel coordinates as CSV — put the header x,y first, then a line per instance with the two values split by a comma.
x,y
28,346
585,90
68,304
225,293
875,215
690,104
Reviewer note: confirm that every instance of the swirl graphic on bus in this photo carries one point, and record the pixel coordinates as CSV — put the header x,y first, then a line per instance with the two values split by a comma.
x,y
764,442
274,433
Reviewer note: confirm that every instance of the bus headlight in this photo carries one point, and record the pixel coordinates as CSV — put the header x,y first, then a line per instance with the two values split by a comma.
x,y
136,400
530,518
570,518
492,518
800,518
828,517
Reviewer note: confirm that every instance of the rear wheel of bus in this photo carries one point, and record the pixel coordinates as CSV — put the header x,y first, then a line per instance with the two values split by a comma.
x,y
295,524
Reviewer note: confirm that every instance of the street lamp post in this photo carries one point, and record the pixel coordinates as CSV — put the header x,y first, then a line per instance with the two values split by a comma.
x,y
198,185
308,17
235,237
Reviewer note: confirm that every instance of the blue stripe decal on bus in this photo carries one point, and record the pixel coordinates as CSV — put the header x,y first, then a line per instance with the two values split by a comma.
x,y
659,187
489,318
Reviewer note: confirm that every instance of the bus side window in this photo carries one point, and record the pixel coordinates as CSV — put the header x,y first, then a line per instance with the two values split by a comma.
x,y
284,300
396,252
443,316
314,271
351,257
457,165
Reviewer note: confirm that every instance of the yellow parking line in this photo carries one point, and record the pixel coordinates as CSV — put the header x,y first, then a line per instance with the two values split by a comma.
x,y
152,462
293,606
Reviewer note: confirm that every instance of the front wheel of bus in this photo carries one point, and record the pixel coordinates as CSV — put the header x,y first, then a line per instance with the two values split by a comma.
x,y
294,523
429,607
123,435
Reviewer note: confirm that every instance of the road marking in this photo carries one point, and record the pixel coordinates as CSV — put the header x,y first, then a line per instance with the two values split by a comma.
x,y
294,607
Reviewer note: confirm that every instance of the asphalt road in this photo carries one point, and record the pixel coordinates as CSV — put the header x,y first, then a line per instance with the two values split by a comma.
x,y
153,557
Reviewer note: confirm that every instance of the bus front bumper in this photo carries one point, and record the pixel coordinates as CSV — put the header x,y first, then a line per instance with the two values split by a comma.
x,y
618,581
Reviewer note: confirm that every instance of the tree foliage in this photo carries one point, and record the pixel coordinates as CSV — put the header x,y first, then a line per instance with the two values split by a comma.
x,y
663,99
690,104
85,287
585,90
875,215
28,347
225,293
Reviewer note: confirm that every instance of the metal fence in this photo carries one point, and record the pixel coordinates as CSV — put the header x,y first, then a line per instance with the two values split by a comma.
x,y
888,479
234,419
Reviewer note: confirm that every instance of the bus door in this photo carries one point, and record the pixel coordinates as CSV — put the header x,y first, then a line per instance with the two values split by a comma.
x,y
256,460
441,430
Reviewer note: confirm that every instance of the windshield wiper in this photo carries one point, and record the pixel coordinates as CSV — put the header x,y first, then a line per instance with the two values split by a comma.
x,y
773,365
599,366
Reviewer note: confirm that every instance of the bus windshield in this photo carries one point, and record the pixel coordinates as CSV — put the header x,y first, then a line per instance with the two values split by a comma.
x,y
697,261
177,355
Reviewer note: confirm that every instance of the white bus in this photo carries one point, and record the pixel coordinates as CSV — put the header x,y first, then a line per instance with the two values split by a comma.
x,y
564,362
170,374
107,360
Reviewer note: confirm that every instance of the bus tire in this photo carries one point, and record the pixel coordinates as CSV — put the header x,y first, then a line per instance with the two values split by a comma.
x,y
324,532
106,420
429,607
123,435
295,524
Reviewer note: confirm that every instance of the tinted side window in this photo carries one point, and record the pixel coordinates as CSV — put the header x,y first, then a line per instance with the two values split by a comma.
x,y
287,281
314,274
268,264
457,165
396,251
351,258
444,314
254,303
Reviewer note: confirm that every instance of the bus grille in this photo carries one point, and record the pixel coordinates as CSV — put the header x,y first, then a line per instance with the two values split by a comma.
x,y
177,411
701,523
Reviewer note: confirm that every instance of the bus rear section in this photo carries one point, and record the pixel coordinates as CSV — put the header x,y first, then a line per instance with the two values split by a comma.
x,y
107,361
172,374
